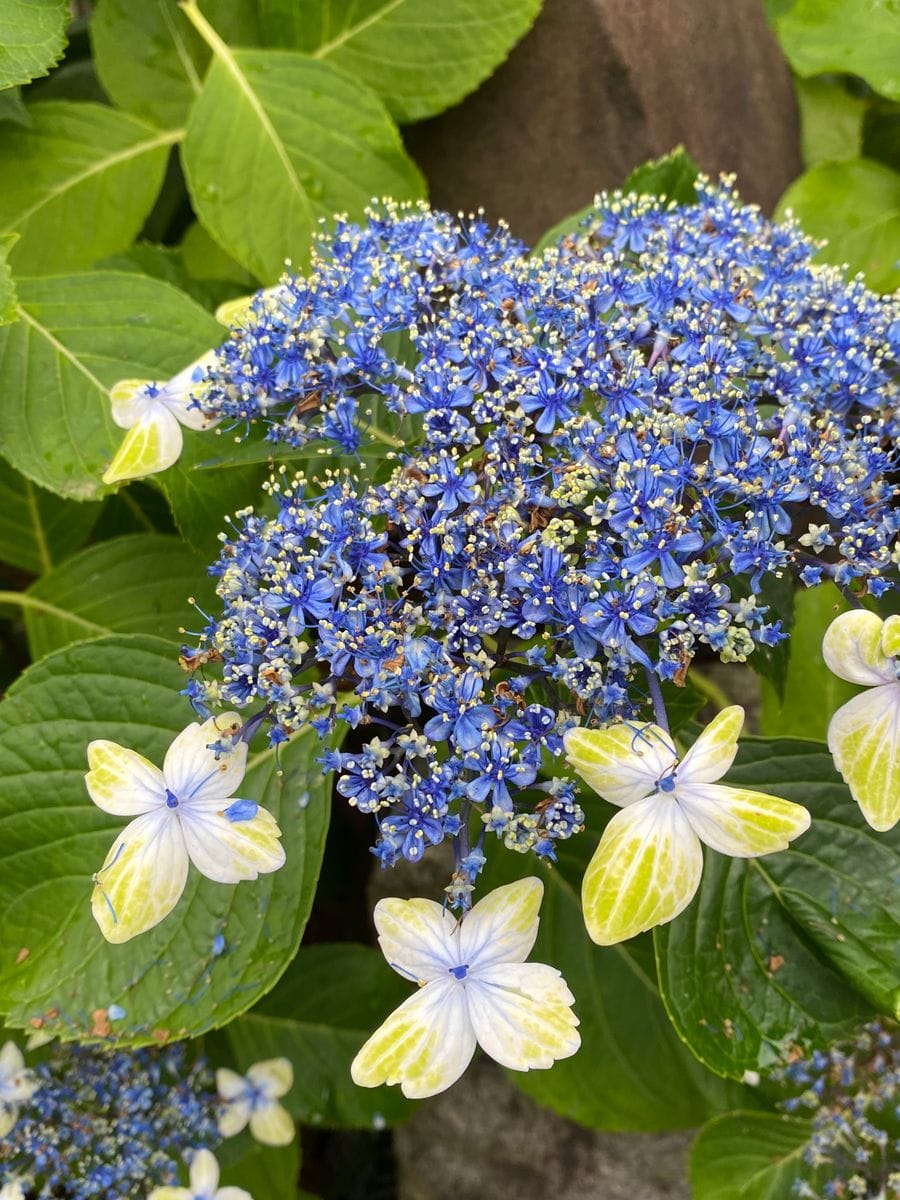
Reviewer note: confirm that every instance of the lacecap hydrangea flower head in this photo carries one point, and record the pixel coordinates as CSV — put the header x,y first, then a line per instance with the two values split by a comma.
x,y
589,464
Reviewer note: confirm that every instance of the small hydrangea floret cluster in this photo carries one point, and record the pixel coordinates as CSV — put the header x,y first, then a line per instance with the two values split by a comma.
x,y
602,455
102,1124
851,1093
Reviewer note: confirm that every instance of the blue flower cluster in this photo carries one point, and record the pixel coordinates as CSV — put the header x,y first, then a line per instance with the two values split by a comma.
x,y
852,1096
106,1125
606,452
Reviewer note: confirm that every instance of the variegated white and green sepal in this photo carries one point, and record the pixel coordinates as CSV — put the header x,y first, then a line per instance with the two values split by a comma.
x,y
864,733
17,1085
184,813
475,988
204,1176
153,413
647,866
252,1099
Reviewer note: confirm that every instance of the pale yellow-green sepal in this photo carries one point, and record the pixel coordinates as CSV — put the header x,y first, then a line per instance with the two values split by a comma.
x,y
233,313
171,1193
273,1125
414,936
150,446
424,1045
129,401
522,1015
230,851
272,1076
852,648
622,762
142,879
714,750
644,872
864,739
890,637
121,781
503,925
742,823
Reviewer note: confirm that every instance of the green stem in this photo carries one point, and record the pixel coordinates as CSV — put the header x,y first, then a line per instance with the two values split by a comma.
x,y
23,600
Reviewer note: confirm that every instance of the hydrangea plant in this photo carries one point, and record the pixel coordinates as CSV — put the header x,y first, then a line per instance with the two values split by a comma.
x,y
483,543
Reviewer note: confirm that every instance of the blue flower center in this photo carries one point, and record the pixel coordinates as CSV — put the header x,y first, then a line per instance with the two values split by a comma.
x,y
666,783
459,972
171,799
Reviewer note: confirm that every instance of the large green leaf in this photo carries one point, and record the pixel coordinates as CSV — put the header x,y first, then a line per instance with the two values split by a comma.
x,y
673,176
179,978
420,56
811,692
631,1072
855,205
77,335
78,182
139,583
277,140
796,945
12,107
855,37
37,529
32,38
749,1156
327,1004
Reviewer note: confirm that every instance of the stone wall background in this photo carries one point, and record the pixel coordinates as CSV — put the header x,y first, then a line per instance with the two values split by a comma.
x,y
599,86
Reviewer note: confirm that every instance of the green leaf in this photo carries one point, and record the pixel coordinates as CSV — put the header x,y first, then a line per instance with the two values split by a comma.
x,y
797,945
200,498
32,38
330,1000
748,1156
776,593
609,1083
139,583
12,107
77,336
856,206
170,981
79,167
673,176
37,529
7,284
420,57
857,37
165,262
149,58
269,1171
811,692
277,140
831,121
204,258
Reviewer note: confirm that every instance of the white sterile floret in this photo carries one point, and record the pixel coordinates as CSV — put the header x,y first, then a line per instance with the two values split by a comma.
x,y
184,813
647,866
864,733
17,1085
153,413
204,1176
253,1099
475,988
